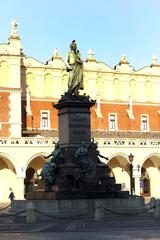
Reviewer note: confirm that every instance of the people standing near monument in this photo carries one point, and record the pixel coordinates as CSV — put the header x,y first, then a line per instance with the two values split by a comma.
x,y
74,65
11,195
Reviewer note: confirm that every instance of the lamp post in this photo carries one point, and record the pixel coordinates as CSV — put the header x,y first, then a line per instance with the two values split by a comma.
x,y
131,172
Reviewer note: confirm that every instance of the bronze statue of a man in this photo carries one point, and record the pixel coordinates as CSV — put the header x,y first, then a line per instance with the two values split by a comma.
x,y
75,68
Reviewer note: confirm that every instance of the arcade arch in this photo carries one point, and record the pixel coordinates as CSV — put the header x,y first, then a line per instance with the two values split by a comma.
x,y
119,167
150,176
7,171
33,170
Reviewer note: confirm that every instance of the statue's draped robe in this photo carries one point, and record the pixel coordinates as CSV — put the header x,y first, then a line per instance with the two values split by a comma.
x,y
75,72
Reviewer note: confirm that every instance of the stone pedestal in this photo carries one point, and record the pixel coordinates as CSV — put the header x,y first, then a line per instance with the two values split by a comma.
x,y
74,120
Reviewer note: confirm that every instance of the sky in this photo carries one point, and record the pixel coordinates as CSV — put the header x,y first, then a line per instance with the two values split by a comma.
x,y
111,28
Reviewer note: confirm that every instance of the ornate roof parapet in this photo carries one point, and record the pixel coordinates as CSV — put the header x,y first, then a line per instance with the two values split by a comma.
x,y
123,60
154,62
56,59
90,57
124,65
56,54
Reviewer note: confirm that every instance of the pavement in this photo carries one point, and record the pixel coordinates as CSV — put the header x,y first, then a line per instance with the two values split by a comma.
x,y
122,228
113,227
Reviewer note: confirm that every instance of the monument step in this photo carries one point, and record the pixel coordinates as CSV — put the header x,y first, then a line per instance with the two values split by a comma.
x,y
42,195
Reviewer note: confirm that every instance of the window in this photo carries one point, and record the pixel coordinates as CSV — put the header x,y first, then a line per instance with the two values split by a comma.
x,y
45,119
144,123
112,122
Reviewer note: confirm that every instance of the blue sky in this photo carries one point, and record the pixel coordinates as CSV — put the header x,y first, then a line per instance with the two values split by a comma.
x,y
110,28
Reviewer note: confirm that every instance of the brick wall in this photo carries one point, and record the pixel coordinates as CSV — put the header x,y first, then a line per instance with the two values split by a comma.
x,y
4,114
37,106
123,120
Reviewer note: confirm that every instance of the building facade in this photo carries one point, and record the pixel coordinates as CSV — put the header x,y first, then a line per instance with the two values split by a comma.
x,y
125,119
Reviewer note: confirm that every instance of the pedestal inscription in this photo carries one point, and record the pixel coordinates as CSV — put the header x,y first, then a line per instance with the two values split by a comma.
x,y
74,121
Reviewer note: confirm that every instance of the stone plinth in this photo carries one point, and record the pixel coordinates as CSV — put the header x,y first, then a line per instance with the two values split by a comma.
x,y
74,120
74,205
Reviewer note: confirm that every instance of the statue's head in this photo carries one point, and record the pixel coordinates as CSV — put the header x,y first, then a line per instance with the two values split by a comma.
x,y
83,143
73,46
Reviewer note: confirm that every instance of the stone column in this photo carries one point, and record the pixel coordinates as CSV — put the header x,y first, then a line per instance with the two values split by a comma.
x,y
19,192
137,176
137,186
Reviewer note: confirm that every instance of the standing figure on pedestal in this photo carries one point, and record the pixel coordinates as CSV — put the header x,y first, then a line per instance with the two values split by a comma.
x,y
75,68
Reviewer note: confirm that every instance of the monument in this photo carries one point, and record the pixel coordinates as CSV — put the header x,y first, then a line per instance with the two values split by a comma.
x,y
74,170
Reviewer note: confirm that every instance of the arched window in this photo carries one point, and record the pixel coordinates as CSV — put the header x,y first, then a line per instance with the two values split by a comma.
x,y
145,183
116,87
100,85
146,186
148,88
48,85
4,74
64,83
133,89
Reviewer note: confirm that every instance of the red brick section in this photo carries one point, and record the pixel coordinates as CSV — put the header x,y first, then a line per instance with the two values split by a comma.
x,y
37,106
4,114
124,122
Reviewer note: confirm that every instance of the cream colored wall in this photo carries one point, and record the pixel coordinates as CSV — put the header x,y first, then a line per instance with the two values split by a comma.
x,y
20,156
4,72
111,84
141,154
14,72
99,78
48,85
15,114
122,177
7,180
